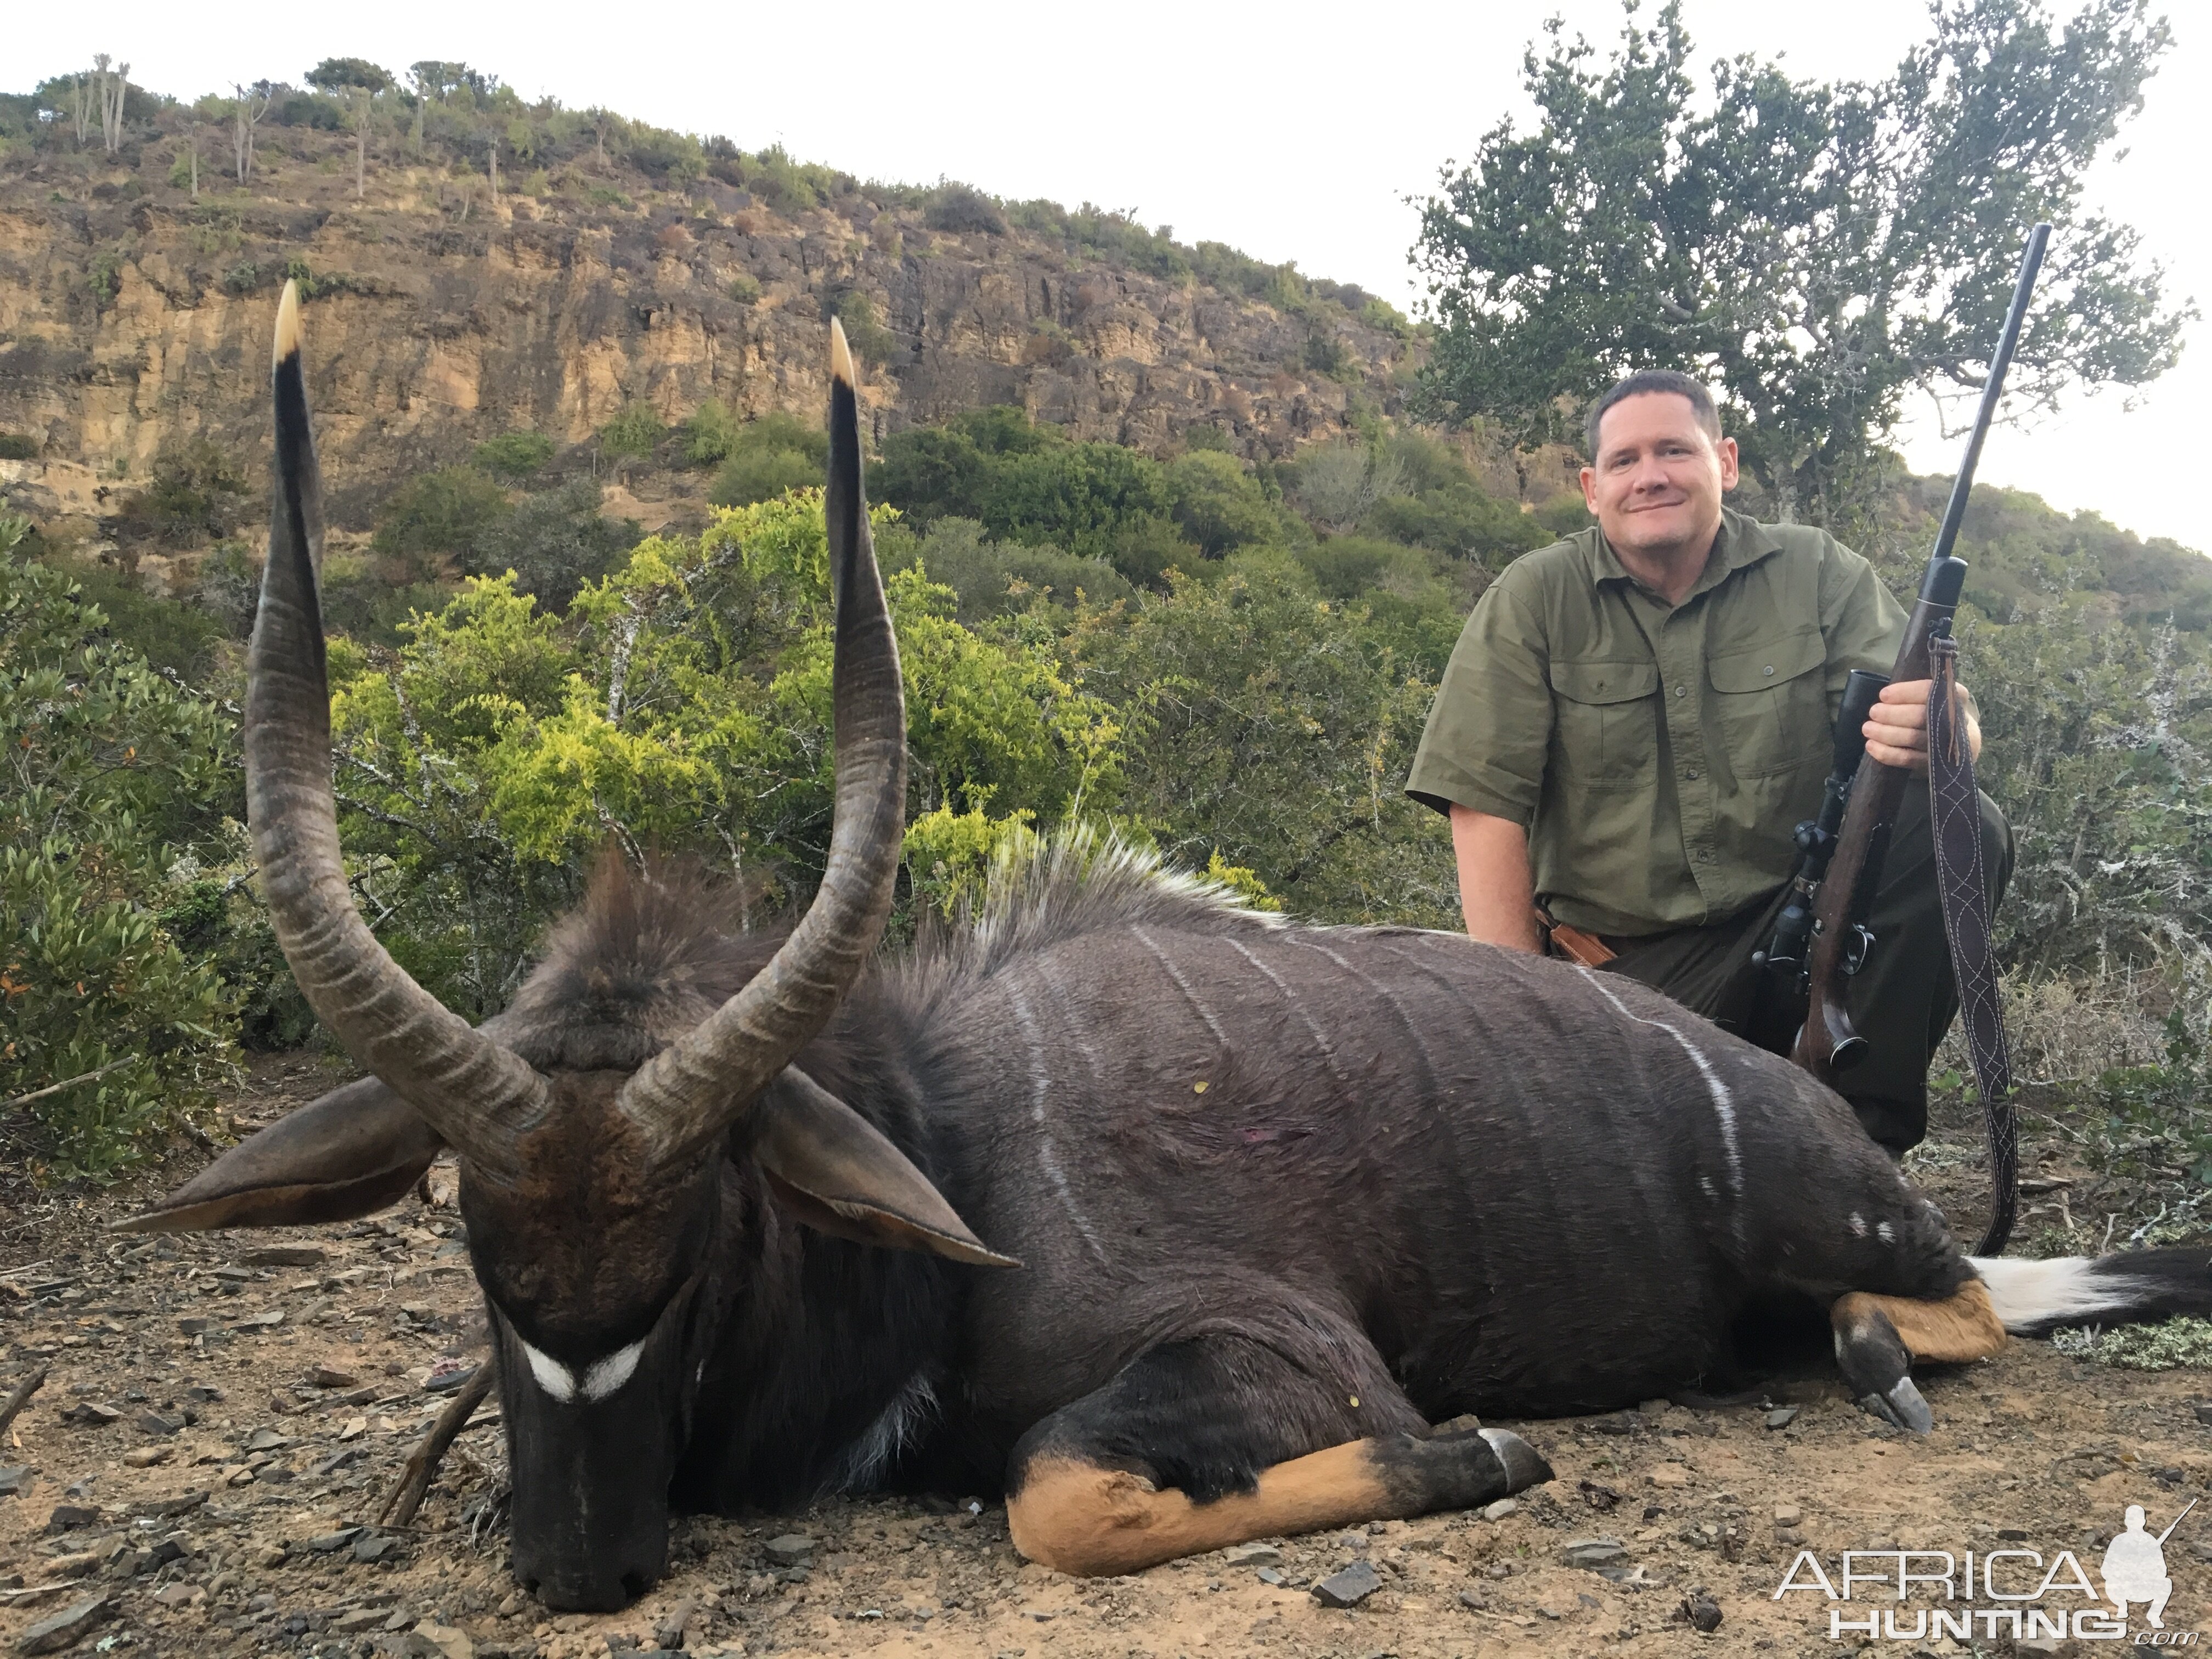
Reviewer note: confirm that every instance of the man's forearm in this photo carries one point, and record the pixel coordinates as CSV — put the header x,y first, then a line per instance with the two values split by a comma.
x,y
1496,893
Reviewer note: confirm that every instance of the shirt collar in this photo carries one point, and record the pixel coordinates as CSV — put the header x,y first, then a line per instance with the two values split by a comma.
x,y
1741,542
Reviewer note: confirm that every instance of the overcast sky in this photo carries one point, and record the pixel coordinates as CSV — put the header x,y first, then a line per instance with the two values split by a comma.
x,y
1291,132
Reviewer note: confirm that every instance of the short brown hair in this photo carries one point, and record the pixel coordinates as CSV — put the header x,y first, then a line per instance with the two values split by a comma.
x,y
1655,380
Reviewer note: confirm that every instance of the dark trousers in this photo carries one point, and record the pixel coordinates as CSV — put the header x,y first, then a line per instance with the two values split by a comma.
x,y
1902,1001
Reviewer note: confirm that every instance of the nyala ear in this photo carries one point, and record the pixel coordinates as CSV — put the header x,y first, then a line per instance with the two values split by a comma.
x,y
839,1174
350,1153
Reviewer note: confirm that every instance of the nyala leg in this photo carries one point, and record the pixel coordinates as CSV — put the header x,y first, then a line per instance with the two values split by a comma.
x,y
1879,1337
1200,1444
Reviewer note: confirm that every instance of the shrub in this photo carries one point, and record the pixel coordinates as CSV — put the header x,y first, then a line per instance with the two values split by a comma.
x,y
198,491
711,434
870,341
963,207
17,446
1086,497
766,458
1219,504
117,775
438,515
514,457
633,433
555,542
995,579
745,288
1461,520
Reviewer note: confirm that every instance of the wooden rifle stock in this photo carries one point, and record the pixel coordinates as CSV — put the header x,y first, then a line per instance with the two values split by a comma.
x,y
1827,1043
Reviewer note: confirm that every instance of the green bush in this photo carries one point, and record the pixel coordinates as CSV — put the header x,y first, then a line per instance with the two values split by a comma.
x,y
997,579
118,782
766,457
745,288
1459,520
870,341
633,433
555,542
1089,498
1219,505
438,515
514,457
711,435
17,446
198,491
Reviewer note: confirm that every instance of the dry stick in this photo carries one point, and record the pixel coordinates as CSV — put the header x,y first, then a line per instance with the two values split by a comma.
x,y
67,1083
21,1397
421,1465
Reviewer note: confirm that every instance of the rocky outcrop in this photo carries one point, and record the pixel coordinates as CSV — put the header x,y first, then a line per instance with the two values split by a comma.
x,y
132,317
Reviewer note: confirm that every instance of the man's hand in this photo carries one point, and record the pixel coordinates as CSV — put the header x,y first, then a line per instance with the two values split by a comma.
x,y
1897,727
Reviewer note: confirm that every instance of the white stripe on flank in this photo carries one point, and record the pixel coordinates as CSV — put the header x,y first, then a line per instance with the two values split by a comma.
x,y
2026,1293
1047,1154
1724,1102
601,1378
1183,986
1313,1029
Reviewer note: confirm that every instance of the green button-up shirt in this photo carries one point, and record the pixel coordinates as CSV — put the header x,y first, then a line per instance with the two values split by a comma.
x,y
1658,757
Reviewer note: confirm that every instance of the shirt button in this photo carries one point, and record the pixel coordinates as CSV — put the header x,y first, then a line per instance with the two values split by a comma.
x,y
1681,691
1692,774
1768,669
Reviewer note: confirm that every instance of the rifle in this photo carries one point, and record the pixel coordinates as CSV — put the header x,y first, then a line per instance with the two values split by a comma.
x,y
1828,1044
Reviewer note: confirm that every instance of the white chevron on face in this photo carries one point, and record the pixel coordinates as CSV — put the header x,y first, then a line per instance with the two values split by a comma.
x,y
601,1378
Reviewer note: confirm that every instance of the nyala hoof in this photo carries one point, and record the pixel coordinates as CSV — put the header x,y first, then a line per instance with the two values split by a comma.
x,y
1901,1407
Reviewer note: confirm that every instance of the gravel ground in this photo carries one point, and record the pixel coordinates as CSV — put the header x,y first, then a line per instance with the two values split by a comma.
x,y
201,1471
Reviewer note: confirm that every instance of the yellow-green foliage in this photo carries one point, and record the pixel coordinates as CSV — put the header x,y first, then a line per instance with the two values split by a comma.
x,y
950,856
683,703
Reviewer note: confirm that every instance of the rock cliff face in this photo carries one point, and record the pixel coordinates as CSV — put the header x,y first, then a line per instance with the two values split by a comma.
x,y
132,317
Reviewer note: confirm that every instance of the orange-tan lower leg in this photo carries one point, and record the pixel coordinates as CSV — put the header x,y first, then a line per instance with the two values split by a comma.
x,y
1963,1326
1077,1518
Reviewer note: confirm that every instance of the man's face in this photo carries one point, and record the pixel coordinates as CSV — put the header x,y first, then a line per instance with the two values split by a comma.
x,y
1655,486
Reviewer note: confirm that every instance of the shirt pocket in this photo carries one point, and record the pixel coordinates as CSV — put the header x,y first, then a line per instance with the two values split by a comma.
x,y
1606,712
1771,705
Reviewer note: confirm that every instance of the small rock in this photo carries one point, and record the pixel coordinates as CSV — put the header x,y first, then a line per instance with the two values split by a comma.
x,y
12,1481
177,1595
266,1317
669,1632
331,1542
265,1440
1782,1416
451,1643
355,1428
1619,1423
375,1546
1591,1553
68,1516
155,1423
1253,1555
284,1255
2012,1534
1501,1509
790,1549
358,1618
1349,1587
331,1376
1700,1612
271,1555
144,1457
92,1414
1270,1575
1668,1475
168,1508
327,1467
1474,1599
1787,1515
196,1326
65,1628
445,1382
2204,1410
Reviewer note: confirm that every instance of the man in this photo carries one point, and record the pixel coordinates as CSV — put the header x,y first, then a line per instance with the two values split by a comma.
x,y
1635,718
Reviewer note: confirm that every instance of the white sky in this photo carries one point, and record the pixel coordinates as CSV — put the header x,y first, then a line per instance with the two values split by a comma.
x,y
1293,133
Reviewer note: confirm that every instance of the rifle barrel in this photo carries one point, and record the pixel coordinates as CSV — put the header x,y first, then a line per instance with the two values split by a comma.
x,y
1992,389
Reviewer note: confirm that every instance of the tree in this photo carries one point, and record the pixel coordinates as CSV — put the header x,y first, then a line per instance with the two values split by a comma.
x,y
359,82
247,106
1818,250
110,90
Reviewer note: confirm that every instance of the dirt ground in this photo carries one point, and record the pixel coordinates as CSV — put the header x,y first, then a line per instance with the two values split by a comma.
x,y
201,1471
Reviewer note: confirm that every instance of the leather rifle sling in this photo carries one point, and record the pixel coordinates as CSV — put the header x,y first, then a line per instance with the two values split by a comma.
x,y
1955,817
